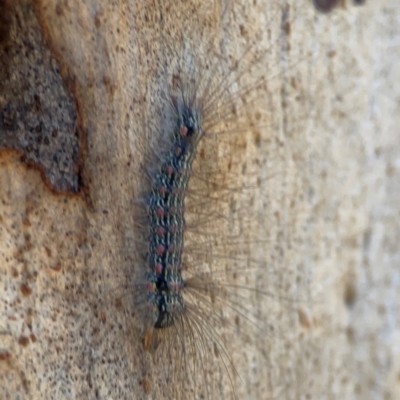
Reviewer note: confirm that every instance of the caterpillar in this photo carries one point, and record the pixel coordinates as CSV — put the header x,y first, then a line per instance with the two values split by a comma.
x,y
167,222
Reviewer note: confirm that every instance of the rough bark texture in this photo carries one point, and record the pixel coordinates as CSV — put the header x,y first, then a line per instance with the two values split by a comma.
x,y
91,73
37,114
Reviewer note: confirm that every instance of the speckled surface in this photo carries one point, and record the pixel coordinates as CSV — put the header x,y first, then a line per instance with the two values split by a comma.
x,y
37,112
330,212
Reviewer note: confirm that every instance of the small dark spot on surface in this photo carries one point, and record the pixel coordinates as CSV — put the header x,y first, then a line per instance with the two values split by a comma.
x,y
287,28
202,154
4,355
23,341
304,318
147,341
106,80
59,9
97,20
350,292
331,53
26,222
118,303
325,6
38,103
243,31
102,317
285,24
216,351
25,290
237,320
146,385
257,139
109,85
350,334
5,21
33,338
9,117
